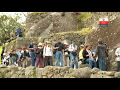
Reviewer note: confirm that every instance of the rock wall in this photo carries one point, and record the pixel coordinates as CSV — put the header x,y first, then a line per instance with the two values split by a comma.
x,y
52,23
55,72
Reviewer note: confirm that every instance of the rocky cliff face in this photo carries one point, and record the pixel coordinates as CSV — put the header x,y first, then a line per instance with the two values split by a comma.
x,y
50,24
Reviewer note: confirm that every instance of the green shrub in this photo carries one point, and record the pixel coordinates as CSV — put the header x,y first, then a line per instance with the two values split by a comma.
x,y
84,16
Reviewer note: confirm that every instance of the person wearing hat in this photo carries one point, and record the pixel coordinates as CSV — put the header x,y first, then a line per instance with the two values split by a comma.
x,y
80,53
39,56
73,55
47,54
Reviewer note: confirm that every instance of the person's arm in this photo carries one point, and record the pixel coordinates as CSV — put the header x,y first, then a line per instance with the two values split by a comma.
x,y
56,47
69,48
63,48
44,52
85,55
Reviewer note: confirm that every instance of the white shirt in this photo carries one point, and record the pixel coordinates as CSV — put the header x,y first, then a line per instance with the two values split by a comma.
x,y
90,55
72,47
117,53
47,51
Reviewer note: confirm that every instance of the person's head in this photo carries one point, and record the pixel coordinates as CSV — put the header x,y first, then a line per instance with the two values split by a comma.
x,y
59,40
100,41
45,43
12,47
81,46
19,27
24,48
19,49
48,43
73,42
34,42
88,47
40,45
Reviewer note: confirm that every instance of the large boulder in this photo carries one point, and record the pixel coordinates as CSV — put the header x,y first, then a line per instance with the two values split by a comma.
x,y
117,75
30,72
103,74
81,73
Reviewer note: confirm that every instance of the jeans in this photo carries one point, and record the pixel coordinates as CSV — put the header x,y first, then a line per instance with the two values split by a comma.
x,y
102,64
59,56
91,63
118,66
32,56
73,60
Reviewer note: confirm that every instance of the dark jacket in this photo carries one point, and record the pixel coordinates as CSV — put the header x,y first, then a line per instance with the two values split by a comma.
x,y
84,54
101,51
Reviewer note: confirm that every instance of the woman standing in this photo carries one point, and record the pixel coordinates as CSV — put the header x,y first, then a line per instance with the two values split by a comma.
x,y
39,56
88,57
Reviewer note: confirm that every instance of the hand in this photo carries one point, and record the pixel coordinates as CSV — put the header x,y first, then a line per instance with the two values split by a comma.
x,y
73,62
87,55
57,47
43,56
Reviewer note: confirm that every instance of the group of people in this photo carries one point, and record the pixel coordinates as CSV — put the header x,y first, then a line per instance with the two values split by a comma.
x,y
61,54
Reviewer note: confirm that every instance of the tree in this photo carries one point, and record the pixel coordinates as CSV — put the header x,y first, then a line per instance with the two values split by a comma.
x,y
9,24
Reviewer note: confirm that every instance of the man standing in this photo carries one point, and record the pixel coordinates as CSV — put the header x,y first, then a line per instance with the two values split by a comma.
x,y
19,32
59,47
102,54
48,53
32,52
73,55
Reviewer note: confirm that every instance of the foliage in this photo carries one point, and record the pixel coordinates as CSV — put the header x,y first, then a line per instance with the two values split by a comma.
x,y
8,45
9,24
84,31
83,16
39,12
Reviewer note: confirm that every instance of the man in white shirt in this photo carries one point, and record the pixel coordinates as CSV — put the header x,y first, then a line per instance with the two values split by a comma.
x,y
73,55
117,53
47,54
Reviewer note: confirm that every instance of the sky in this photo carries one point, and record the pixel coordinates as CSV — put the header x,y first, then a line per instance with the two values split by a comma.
x,y
13,15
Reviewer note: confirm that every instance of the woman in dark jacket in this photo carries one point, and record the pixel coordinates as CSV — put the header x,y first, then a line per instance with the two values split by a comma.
x,y
39,56
87,55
